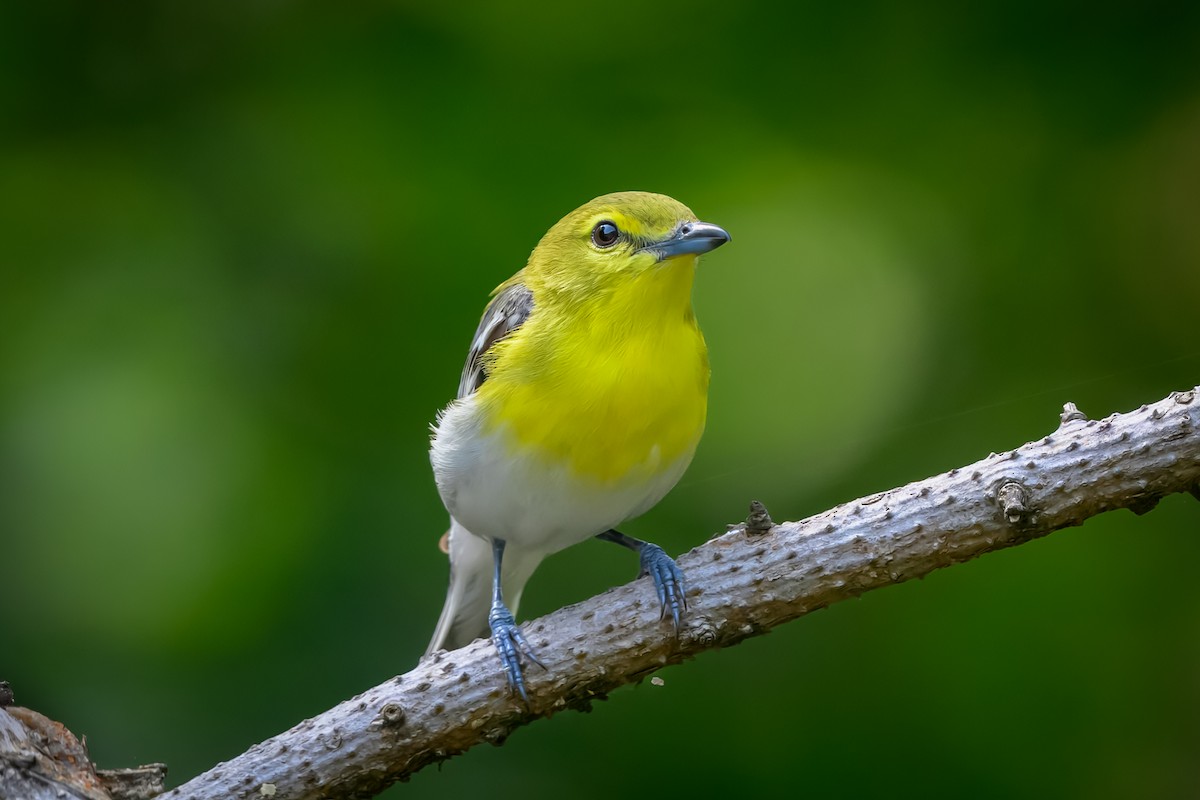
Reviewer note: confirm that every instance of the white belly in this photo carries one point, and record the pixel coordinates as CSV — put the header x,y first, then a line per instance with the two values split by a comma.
x,y
525,500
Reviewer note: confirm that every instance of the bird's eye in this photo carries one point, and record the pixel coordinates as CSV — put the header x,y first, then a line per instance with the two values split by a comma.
x,y
605,234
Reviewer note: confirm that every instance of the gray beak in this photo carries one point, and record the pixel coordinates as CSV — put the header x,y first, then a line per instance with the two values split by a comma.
x,y
692,238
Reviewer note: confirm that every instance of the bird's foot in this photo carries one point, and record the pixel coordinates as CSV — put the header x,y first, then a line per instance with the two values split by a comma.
x,y
668,581
510,646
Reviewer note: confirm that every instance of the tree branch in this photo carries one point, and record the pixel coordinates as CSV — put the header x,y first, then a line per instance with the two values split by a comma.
x,y
741,584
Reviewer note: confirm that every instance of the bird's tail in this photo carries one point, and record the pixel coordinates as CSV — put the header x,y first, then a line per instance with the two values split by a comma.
x,y
469,599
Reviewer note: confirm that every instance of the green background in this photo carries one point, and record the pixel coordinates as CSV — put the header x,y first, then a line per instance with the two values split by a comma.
x,y
243,247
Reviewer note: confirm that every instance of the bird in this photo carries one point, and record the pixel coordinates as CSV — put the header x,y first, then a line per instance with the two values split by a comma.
x,y
581,403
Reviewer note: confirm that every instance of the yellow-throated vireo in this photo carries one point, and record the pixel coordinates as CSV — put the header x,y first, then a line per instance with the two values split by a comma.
x,y
581,403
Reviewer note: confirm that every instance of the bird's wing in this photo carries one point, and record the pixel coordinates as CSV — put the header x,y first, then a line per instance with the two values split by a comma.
x,y
508,309
470,556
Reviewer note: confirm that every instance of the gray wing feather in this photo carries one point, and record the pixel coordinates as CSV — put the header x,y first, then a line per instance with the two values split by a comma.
x,y
503,315
465,614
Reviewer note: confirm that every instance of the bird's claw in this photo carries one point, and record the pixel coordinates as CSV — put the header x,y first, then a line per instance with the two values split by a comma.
x,y
510,645
668,581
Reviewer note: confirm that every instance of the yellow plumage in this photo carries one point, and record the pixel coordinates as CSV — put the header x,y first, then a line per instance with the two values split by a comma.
x,y
582,400
628,398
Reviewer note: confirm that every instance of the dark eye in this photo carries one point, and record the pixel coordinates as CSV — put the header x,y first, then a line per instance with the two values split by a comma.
x,y
605,234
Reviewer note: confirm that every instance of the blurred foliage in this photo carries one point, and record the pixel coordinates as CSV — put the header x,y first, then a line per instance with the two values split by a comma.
x,y
243,246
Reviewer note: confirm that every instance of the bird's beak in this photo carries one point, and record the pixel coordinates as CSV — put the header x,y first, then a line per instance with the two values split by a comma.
x,y
692,238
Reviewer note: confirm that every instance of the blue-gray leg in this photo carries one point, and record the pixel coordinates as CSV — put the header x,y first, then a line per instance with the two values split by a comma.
x,y
668,577
506,636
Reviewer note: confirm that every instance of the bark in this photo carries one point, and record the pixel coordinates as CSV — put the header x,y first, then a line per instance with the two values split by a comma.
x,y
741,583
41,760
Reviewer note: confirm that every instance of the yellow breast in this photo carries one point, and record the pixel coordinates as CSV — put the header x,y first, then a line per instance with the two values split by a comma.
x,y
615,392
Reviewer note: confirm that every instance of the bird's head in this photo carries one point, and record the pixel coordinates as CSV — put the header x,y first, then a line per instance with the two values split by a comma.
x,y
619,236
